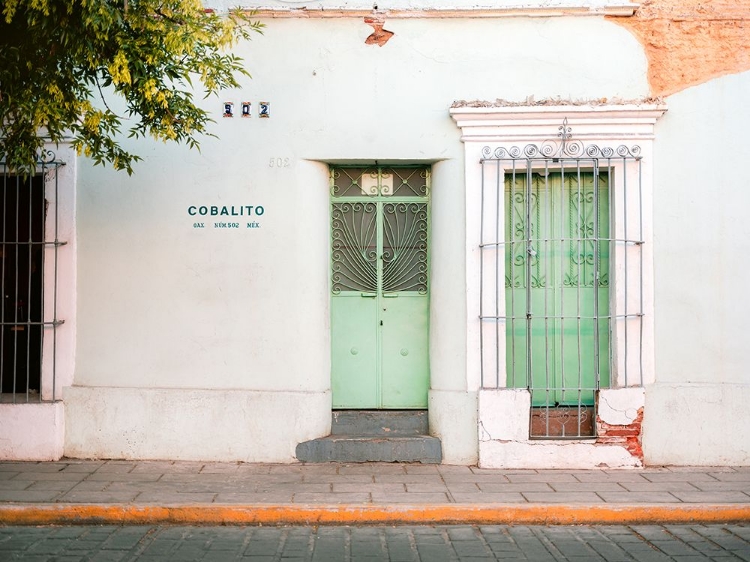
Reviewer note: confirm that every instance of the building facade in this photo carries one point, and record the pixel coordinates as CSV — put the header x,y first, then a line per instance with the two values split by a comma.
x,y
523,217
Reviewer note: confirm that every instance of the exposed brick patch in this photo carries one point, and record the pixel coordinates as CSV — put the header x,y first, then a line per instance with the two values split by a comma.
x,y
628,436
380,36
689,42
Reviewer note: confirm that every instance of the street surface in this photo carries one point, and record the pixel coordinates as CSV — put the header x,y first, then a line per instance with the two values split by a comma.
x,y
647,543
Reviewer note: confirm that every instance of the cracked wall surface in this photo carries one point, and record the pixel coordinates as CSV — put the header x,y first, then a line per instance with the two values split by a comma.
x,y
689,42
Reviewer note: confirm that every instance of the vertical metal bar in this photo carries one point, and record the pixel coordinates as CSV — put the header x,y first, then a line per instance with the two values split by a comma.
x,y
511,208
611,322
543,234
43,220
560,283
596,273
640,254
481,280
626,247
499,293
527,233
28,326
2,281
579,244
54,297
15,292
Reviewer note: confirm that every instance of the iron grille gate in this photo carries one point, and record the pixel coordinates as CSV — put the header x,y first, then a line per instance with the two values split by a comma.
x,y
561,274
28,268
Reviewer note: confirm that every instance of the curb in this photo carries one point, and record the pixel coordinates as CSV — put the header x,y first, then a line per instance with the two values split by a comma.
x,y
306,514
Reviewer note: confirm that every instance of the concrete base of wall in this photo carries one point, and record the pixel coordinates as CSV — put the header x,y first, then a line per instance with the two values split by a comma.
x,y
32,432
179,424
697,424
504,433
453,419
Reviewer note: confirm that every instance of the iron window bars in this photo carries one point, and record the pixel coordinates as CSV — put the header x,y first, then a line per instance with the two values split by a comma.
x,y
561,277
29,280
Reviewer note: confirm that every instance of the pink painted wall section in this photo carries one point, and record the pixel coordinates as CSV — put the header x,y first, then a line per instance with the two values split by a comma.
x,y
32,432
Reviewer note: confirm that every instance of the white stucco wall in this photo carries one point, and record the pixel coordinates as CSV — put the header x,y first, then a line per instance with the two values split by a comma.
x,y
163,305
696,413
32,432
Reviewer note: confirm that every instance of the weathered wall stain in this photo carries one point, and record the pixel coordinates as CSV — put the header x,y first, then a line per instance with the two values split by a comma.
x,y
689,42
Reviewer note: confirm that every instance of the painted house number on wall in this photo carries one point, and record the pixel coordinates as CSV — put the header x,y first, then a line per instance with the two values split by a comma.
x,y
279,163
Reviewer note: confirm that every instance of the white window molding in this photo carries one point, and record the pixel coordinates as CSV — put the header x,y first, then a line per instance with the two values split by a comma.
x,y
490,128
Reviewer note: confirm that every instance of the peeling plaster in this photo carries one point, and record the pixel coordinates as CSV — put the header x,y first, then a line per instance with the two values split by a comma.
x,y
689,42
380,36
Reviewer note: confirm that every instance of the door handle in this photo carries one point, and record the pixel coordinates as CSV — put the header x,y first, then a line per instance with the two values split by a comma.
x,y
369,295
390,295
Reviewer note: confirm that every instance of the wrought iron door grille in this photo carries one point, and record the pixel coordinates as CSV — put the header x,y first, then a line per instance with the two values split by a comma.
x,y
561,277
28,268
391,201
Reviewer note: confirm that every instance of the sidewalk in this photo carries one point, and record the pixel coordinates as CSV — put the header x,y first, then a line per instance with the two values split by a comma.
x,y
150,492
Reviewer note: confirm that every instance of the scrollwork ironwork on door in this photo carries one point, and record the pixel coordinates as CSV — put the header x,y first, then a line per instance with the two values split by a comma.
x,y
405,247
354,247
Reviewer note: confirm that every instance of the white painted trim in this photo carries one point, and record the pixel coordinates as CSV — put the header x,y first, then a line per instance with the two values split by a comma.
x,y
619,10
62,343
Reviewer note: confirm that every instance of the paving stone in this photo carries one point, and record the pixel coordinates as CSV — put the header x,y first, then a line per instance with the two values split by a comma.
x,y
15,484
422,487
489,498
645,486
415,498
390,488
506,487
422,469
565,497
53,485
118,467
99,475
712,497
98,497
82,465
610,476
464,487
410,478
373,468
252,498
638,497
679,477
586,486
52,475
313,497
543,477
28,496
342,478
738,476
176,498
297,487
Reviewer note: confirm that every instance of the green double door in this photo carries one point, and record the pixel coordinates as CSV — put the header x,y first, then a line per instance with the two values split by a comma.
x,y
557,285
380,287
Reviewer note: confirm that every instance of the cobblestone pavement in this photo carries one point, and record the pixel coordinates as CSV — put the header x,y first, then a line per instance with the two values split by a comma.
x,y
179,482
648,543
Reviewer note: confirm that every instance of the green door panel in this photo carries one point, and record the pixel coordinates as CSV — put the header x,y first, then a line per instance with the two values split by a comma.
x,y
557,231
354,381
379,282
405,371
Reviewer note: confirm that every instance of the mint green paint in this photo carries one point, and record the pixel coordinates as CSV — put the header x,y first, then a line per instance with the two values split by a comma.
x,y
380,288
567,214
